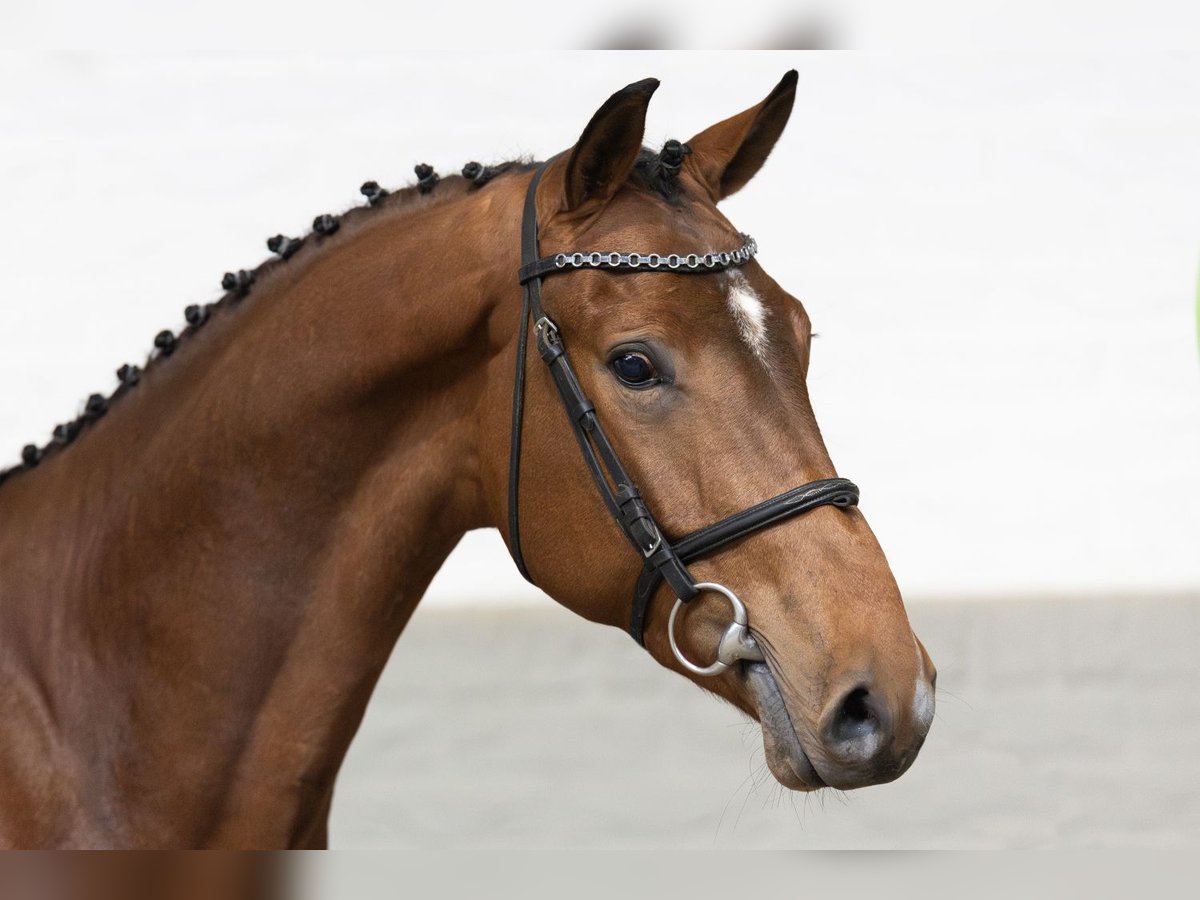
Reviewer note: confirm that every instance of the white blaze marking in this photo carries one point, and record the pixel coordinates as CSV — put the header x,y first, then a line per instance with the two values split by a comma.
x,y
923,697
749,313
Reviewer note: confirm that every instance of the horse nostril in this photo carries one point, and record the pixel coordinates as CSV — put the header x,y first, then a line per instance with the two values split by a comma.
x,y
855,728
866,735
855,718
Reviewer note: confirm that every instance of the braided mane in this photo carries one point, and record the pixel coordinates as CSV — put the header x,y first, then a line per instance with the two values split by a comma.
x,y
657,172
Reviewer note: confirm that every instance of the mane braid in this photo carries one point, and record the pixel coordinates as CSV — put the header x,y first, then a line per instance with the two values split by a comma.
x,y
655,172
659,172
237,286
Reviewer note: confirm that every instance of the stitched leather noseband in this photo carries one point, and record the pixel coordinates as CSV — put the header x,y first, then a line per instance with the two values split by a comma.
x,y
663,558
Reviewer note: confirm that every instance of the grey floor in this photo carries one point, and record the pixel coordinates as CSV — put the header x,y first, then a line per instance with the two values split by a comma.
x,y
1060,723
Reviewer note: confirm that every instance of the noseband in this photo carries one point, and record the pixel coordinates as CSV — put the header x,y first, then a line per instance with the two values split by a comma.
x,y
662,558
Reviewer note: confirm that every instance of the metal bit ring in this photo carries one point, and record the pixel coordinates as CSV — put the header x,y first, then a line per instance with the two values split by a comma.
x,y
736,643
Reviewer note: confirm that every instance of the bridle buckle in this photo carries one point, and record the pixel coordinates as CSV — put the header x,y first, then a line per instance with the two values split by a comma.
x,y
546,331
656,544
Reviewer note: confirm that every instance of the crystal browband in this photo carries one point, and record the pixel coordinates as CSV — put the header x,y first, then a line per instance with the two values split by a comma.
x,y
675,262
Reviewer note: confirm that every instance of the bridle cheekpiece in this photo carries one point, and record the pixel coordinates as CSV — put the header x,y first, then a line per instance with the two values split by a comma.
x,y
663,559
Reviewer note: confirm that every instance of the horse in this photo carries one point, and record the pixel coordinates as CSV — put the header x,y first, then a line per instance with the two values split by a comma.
x,y
203,575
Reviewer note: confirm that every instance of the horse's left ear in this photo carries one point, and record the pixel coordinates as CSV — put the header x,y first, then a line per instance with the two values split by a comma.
x,y
728,154
605,153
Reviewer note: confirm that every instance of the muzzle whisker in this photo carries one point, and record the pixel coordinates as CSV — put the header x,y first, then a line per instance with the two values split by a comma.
x,y
742,808
942,691
796,811
725,810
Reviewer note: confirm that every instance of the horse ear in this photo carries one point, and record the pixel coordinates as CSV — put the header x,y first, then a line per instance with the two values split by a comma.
x,y
604,155
728,154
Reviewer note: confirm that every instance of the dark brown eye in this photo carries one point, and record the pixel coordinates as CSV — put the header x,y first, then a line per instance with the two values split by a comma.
x,y
635,369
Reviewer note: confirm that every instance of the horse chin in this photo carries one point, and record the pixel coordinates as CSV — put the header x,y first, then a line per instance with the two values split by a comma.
x,y
784,752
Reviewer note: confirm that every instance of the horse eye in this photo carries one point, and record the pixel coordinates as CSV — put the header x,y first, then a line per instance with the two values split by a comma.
x,y
635,369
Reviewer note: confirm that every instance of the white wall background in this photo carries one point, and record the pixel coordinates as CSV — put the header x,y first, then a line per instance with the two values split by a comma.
x,y
999,251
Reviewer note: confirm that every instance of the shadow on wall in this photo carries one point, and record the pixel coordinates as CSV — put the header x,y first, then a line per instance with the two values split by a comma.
x,y
795,28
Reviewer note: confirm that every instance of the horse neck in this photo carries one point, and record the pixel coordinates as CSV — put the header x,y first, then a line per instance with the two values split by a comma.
x,y
219,568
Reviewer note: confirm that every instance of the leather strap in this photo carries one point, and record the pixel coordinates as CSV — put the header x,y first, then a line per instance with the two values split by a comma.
x,y
662,560
829,491
528,240
616,488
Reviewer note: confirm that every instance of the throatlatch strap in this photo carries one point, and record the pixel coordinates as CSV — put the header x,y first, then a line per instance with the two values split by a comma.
x,y
530,299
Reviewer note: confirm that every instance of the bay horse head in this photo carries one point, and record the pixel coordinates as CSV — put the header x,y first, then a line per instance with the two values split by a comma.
x,y
682,368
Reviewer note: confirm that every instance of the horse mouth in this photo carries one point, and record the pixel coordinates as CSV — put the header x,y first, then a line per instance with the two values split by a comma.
x,y
784,752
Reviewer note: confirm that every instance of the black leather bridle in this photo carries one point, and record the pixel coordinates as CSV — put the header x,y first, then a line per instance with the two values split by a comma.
x,y
663,558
